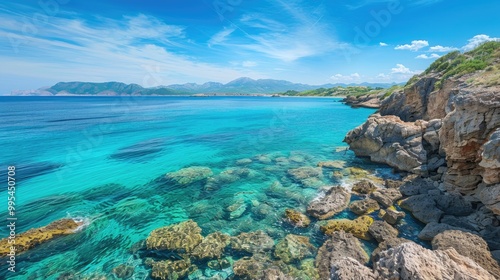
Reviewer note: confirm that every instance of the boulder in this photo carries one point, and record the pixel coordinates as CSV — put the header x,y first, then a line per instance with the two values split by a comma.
x,y
123,271
296,218
392,184
411,261
393,216
382,231
36,236
490,196
388,243
335,200
294,248
307,176
386,197
423,208
182,237
432,229
468,245
365,206
416,186
339,246
364,187
332,164
358,227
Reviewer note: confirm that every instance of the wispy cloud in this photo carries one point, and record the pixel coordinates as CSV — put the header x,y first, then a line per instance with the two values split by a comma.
x,y
382,44
356,4
439,48
355,77
414,46
221,36
478,40
424,56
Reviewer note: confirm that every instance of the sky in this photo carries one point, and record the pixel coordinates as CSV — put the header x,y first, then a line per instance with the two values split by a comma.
x,y
153,43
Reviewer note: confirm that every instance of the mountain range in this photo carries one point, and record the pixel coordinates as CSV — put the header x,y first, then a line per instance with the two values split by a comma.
x,y
242,85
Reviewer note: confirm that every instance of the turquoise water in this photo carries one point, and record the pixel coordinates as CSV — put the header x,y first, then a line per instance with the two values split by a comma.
x,y
104,159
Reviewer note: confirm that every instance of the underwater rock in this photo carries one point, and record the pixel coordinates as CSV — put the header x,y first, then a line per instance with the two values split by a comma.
x,y
382,231
212,246
181,237
261,211
334,201
468,245
252,242
275,274
306,271
236,209
36,236
277,190
393,216
219,264
339,164
297,158
282,161
387,197
339,246
172,270
358,227
411,261
365,206
364,187
189,175
294,248
307,176
123,271
263,159
251,268
356,173
296,218
243,161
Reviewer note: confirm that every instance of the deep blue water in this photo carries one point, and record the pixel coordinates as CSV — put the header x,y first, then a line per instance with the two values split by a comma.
x,y
104,159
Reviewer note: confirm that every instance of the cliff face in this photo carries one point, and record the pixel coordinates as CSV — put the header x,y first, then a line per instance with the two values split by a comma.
x,y
444,125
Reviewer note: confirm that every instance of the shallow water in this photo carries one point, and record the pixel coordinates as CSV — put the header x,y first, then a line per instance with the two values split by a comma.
x,y
104,159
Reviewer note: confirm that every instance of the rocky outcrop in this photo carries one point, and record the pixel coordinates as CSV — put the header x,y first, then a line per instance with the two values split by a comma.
x,y
294,248
412,261
350,269
364,187
36,236
335,200
296,218
341,245
468,245
366,101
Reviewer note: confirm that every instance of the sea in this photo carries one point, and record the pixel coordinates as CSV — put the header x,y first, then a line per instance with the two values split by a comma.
x,y
105,162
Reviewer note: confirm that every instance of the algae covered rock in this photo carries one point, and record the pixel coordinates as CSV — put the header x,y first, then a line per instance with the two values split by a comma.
x,y
123,271
37,236
182,237
339,246
294,248
307,176
296,218
252,242
335,200
365,206
358,227
212,246
189,175
172,270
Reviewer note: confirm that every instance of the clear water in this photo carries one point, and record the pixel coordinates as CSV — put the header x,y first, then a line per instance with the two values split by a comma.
x,y
104,159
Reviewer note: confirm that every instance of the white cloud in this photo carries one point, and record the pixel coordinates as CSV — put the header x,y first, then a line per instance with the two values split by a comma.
x,y
400,69
439,48
249,63
355,77
382,44
432,56
414,46
478,40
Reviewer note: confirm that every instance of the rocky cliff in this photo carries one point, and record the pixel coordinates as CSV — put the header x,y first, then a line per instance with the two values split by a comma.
x,y
444,124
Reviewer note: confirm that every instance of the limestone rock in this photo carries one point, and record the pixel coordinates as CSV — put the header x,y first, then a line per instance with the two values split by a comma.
x,y
393,216
386,197
417,186
490,196
294,248
388,243
364,187
296,218
252,242
382,231
358,227
339,246
411,261
423,207
365,206
335,200
36,236
432,229
392,184
182,237
350,269
468,245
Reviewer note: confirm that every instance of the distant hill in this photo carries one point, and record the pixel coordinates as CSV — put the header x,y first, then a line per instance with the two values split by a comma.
x,y
242,85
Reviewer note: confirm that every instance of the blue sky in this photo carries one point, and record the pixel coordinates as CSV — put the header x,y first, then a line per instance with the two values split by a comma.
x,y
155,43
